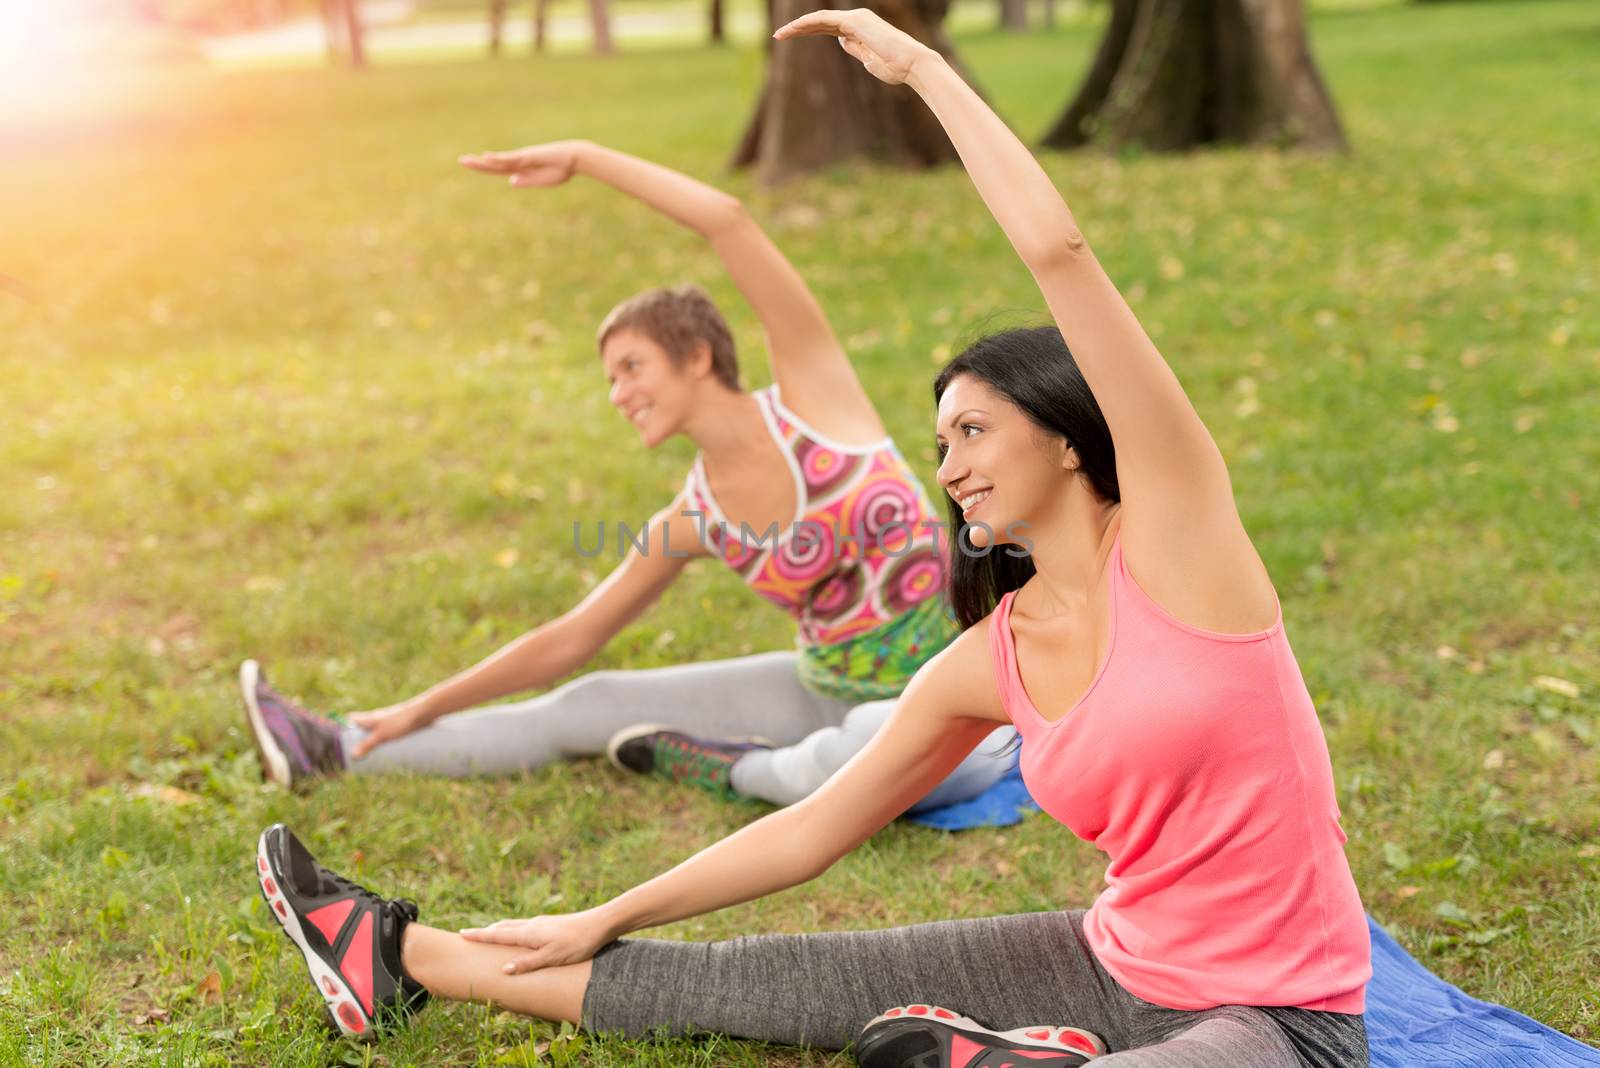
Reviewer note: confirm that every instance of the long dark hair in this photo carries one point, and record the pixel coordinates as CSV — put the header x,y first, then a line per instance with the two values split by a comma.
x,y
1033,369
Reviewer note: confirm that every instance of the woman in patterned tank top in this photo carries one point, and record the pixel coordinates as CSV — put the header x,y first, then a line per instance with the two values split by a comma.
x,y
797,487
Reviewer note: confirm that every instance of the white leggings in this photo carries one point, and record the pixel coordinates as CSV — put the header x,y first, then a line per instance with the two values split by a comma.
x,y
750,695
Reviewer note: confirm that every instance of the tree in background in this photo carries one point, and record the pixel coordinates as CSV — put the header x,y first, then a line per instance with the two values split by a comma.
x,y
818,107
1173,74
341,22
600,16
497,25
1014,15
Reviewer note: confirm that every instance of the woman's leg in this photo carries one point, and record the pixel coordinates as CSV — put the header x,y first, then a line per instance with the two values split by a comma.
x,y
821,989
451,967
748,695
784,776
1233,1036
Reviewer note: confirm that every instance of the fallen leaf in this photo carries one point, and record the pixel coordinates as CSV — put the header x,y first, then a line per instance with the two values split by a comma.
x,y
167,795
1493,759
1551,684
153,1016
210,988
1408,891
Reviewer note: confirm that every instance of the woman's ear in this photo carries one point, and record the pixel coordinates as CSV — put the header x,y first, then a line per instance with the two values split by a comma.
x,y
1069,460
700,359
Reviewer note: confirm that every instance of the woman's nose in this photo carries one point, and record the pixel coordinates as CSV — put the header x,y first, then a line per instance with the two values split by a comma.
x,y
951,470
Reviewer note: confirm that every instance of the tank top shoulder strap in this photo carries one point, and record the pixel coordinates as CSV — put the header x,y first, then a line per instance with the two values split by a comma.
x,y
1003,657
792,427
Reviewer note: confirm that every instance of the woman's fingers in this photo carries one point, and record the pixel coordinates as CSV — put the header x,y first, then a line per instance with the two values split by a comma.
x,y
501,932
487,166
813,24
858,51
376,737
528,962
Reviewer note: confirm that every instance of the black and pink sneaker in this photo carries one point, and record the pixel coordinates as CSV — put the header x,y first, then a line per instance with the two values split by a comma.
x,y
926,1036
295,745
350,937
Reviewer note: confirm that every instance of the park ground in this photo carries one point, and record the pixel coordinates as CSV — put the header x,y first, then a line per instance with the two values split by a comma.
x,y
280,380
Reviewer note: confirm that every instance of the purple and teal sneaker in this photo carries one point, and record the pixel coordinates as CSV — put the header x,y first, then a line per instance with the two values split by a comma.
x,y
295,745
651,749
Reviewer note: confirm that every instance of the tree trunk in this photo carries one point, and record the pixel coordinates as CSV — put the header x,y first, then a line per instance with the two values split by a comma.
x,y
332,29
1173,74
718,35
541,8
1014,15
818,107
600,15
1049,14
353,33
497,25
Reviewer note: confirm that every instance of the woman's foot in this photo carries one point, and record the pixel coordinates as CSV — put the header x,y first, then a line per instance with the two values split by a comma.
x,y
350,937
294,745
651,749
926,1036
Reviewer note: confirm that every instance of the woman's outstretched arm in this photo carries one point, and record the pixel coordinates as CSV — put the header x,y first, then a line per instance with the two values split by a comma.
x,y
949,707
561,645
808,363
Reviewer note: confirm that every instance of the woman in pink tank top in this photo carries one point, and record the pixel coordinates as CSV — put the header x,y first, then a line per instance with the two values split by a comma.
x,y
1114,610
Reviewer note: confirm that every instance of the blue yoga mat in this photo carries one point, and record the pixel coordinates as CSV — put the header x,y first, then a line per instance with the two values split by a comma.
x,y
1414,1018
1001,805
1417,1020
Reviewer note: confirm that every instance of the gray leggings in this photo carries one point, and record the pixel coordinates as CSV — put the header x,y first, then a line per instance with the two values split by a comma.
x,y
1005,972
751,695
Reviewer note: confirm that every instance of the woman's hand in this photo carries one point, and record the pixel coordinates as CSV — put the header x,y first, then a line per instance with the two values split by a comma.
x,y
386,724
548,164
886,52
554,940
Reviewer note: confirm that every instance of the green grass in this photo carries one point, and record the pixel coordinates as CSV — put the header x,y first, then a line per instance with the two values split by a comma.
x,y
290,382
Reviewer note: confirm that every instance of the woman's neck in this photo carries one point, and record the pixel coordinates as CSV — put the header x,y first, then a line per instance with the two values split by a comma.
x,y
724,425
1070,549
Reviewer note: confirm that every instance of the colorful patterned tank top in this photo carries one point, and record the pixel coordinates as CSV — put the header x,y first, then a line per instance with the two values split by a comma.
x,y
861,567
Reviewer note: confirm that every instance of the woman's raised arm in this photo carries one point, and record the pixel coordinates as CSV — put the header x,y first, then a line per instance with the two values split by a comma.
x,y
808,363
1179,516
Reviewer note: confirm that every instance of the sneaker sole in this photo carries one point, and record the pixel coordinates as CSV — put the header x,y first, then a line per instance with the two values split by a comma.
x,y
1030,1043
273,760
344,1008
628,734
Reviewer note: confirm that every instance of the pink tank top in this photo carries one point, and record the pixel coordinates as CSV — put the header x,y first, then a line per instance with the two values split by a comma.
x,y
865,545
1196,763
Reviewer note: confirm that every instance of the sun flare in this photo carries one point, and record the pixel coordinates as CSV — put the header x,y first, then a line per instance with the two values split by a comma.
x,y
38,42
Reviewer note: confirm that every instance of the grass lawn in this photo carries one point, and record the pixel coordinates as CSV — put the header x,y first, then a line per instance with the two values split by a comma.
x,y
292,385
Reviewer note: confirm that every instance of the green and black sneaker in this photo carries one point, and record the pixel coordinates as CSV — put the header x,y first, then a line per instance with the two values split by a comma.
x,y
651,749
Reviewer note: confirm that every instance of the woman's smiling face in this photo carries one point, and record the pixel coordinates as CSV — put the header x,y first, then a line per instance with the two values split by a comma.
x,y
647,386
999,468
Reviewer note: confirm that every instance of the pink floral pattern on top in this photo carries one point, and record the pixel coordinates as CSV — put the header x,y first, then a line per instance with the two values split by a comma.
x,y
864,547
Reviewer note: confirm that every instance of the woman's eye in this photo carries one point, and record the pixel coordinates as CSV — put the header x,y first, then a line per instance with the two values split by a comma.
x,y
941,448
967,427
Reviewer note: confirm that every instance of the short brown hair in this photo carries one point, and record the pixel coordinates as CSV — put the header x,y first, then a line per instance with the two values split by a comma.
x,y
675,317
